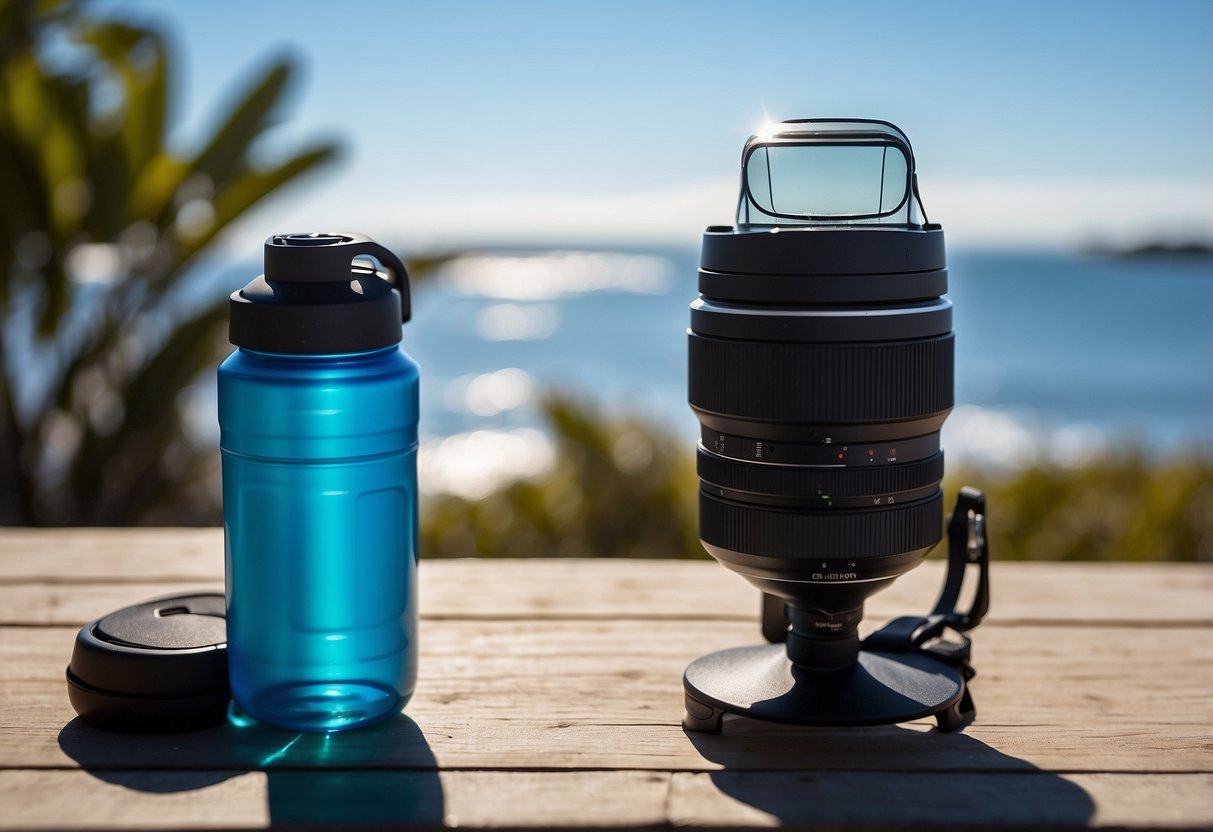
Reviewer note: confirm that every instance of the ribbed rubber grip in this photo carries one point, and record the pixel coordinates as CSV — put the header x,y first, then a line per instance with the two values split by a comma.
x,y
823,288
821,383
829,535
805,481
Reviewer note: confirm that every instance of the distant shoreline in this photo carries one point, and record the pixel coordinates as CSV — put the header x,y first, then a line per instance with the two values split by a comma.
x,y
1186,250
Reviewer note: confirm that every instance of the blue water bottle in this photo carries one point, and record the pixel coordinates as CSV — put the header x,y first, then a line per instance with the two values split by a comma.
x,y
318,419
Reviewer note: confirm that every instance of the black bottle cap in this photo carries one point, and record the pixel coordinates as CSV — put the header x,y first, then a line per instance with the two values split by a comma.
x,y
316,298
823,250
153,667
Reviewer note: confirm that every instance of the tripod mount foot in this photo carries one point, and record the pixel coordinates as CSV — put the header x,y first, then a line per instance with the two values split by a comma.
x,y
880,689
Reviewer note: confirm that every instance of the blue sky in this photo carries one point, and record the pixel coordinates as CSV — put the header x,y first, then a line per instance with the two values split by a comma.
x,y
1037,124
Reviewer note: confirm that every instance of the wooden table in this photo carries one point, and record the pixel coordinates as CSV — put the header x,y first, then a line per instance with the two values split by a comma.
x,y
550,695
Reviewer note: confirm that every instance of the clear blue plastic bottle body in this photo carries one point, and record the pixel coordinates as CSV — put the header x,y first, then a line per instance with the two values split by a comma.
x,y
320,523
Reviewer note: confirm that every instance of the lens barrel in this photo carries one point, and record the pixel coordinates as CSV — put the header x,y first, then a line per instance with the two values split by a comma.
x,y
821,372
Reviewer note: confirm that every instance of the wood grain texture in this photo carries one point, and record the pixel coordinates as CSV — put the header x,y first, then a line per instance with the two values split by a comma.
x,y
252,800
601,799
913,799
72,576
518,694
550,696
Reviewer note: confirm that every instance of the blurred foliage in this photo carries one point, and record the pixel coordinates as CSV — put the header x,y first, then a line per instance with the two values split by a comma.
x,y
1127,508
618,489
626,489
99,222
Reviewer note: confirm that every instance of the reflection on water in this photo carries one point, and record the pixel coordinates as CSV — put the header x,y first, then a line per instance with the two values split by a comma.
x,y
1004,440
474,465
601,325
517,322
489,394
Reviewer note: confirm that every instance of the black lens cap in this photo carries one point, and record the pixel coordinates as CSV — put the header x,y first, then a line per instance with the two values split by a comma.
x,y
159,666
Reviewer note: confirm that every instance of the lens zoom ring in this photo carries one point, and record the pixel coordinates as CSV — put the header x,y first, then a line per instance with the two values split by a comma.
x,y
821,383
805,481
829,535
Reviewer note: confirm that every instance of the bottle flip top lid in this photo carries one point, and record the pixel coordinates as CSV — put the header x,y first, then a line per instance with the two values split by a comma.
x,y
322,294
157,666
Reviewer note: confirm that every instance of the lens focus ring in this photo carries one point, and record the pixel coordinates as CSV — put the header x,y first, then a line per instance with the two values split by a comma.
x,y
821,383
824,535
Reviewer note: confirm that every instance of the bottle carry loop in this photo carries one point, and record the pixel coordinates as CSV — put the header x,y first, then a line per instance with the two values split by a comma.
x,y
324,257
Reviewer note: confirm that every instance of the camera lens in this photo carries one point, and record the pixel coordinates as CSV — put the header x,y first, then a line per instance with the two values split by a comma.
x,y
821,367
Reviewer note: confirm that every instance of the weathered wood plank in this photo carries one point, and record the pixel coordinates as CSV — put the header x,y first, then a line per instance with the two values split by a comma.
x,y
970,801
608,695
255,800
70,577
550,696
596,799
111,555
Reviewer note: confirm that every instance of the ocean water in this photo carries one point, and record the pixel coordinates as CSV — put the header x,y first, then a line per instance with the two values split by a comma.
x,y
1058,357
1074,355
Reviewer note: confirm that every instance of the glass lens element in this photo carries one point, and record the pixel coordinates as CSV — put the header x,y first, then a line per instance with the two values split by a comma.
x,y
827,182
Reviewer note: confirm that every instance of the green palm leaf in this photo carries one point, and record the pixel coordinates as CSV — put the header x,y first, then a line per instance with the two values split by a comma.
x,y
144,79
225,156
150,424
248,189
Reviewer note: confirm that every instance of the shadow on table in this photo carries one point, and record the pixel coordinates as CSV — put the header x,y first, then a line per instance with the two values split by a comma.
x,y
879,776
384,773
